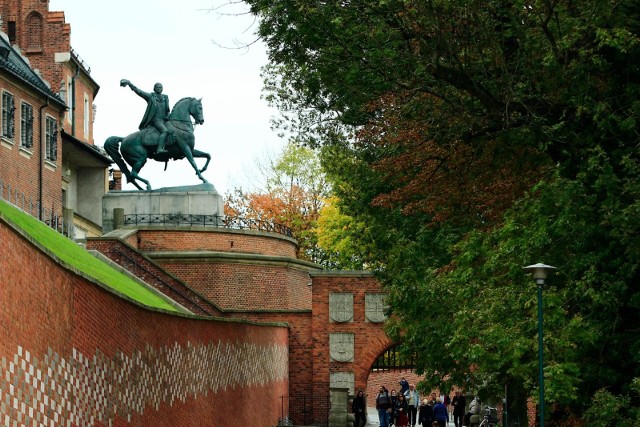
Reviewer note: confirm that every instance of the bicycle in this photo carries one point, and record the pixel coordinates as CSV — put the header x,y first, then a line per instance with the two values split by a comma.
x,y
490,418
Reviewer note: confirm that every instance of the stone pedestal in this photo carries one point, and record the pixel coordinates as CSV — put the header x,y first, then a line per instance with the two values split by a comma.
x,y
163,203
339,407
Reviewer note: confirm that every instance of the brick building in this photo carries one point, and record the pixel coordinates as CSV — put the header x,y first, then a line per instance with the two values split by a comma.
x,y
49,156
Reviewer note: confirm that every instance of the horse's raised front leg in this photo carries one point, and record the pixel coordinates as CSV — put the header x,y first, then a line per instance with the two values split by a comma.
x,y
186,150
199,154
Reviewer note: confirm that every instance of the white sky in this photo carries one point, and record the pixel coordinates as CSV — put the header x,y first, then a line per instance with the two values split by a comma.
x,y
176,43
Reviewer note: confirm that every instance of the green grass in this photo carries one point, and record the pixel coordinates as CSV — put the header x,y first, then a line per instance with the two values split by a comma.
x,y
78,258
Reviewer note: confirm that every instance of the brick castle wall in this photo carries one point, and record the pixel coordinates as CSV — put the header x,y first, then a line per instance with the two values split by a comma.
x,y
300,399
74,353
237,270
230,241
250,286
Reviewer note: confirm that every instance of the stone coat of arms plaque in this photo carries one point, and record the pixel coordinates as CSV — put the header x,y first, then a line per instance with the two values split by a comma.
x,y
341,346
341,307
374,307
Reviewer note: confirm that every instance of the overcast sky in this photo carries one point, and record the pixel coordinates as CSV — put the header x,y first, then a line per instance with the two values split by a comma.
x,y
177,43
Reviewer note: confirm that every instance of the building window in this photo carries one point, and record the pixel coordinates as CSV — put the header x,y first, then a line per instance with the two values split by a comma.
x,y
8,110
26,125
11,27
69,100
86,116
51,139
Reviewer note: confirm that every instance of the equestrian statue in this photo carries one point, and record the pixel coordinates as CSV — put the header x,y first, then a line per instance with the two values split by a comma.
x,y
162,135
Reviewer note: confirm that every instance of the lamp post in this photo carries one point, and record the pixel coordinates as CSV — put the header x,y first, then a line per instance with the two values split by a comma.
x,y
540,272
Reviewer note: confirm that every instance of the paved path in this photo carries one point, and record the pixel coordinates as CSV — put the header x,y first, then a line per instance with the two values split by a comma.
x,y
372,418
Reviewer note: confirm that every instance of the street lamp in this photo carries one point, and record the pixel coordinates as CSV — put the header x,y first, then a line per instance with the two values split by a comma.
x,y
540,272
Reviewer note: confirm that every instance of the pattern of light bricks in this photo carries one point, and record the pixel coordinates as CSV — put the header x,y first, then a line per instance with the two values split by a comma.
x,y
81,390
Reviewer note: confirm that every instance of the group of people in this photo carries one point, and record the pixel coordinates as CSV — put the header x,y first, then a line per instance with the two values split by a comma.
x,y
404,408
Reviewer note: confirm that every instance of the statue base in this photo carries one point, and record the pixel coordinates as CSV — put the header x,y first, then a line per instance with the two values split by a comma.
x,y
162,205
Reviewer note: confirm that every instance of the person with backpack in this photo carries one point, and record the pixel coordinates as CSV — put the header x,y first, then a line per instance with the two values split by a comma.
x,y
383,405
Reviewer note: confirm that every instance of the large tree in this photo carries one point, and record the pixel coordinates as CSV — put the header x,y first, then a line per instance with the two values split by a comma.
x,y
457,93
474,137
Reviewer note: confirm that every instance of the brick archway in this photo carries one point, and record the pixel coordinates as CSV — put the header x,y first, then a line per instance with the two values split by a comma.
x,y
369,338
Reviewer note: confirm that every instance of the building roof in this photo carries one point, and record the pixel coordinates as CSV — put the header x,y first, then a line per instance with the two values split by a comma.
x,y
81,154
14,64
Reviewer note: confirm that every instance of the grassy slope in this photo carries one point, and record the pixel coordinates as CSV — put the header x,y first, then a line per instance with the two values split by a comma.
x,y
76,257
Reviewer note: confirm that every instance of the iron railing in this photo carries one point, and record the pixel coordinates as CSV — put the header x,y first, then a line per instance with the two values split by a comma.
x,y
232,222
42,213
67,228
391,360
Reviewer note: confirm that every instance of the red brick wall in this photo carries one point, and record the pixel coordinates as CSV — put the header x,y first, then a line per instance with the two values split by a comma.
x,y
242,285
100,359
212,240
274,280
300,399
250,286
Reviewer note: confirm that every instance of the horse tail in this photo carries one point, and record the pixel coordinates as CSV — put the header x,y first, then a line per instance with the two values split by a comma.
x,y
112,147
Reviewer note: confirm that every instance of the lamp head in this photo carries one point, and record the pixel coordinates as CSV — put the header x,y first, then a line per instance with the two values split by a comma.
x,y
539,272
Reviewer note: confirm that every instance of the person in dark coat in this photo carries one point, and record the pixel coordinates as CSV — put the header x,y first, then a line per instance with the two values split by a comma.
x,y
404,385
425,415
459,404
359,409
394,398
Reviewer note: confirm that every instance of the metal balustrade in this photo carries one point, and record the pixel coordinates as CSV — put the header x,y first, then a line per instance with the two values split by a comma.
x,y
232,222
46,215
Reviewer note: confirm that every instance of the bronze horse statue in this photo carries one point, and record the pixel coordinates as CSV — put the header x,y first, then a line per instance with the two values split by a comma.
x,y
140,146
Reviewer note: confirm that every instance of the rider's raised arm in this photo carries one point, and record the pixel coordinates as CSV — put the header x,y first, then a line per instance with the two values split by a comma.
x,y
140,93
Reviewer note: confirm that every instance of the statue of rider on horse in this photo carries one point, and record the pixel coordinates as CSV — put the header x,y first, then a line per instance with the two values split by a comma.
x,y
157,111
164,134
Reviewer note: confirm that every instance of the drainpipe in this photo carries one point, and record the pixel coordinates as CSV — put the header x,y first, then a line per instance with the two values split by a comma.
x,y
43,145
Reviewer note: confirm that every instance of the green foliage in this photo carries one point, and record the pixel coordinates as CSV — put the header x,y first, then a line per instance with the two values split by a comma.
x,y
342,239
609,410
589,306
